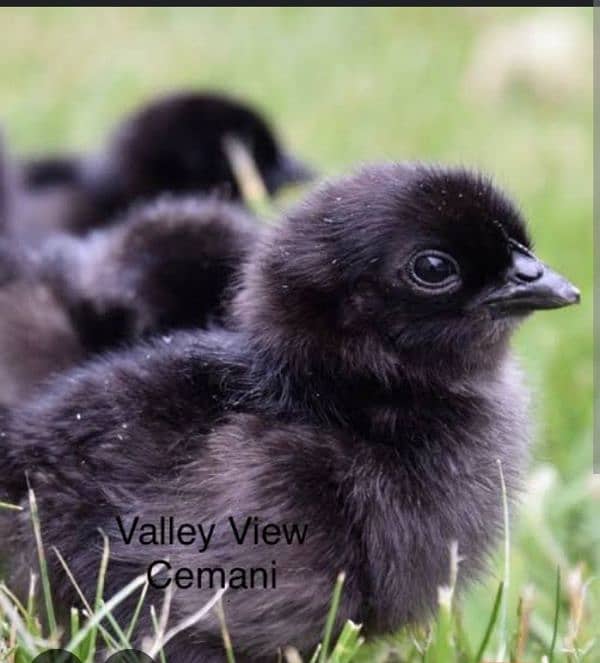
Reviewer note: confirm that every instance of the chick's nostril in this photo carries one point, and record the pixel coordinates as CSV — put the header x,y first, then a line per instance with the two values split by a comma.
x,y
526,268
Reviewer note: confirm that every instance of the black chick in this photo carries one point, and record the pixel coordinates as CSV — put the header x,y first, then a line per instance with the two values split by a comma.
x,y
37,338
169,264
173,144
367,393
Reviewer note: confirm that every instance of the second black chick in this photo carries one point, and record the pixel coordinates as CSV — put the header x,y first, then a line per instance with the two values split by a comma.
x,y
37,337
365,397
173,144
167,265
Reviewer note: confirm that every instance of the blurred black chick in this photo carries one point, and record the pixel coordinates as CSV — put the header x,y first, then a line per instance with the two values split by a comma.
x,y
37,338
367,393
167,265
174,144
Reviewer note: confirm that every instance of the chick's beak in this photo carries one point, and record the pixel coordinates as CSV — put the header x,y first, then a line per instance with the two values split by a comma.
x,y
530,285
287,171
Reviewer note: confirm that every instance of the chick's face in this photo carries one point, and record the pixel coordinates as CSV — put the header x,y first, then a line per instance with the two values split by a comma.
x,y
399,261
415,256
452,262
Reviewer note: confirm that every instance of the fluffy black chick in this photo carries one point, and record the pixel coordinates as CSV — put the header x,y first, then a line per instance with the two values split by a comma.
x,y
173,144
168,264
37,337
367,391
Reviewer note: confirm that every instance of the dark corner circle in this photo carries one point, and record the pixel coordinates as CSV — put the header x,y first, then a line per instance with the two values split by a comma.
x,y
130,656
56,656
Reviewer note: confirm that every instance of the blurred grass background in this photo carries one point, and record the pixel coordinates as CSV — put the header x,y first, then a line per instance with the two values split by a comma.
x,y
350,85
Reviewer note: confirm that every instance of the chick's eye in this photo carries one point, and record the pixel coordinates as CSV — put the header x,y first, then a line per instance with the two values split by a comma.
x,y
434,269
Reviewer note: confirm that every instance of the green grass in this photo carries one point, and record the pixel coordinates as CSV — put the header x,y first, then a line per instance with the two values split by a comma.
x,y
353,85
93,629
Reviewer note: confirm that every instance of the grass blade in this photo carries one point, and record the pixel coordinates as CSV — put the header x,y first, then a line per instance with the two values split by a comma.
x,y
225,633
17,604
189,621
27,640
443,644
292,656
137,611
503,622
463,643
491,623
109,641
37,532
32,626
556,616
348,643
315,657
89,645
158,634
247,175
110,605
333,610
74,621
124,642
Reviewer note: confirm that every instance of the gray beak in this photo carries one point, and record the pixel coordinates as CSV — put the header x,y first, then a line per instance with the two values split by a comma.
x,y
288,170
530,285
